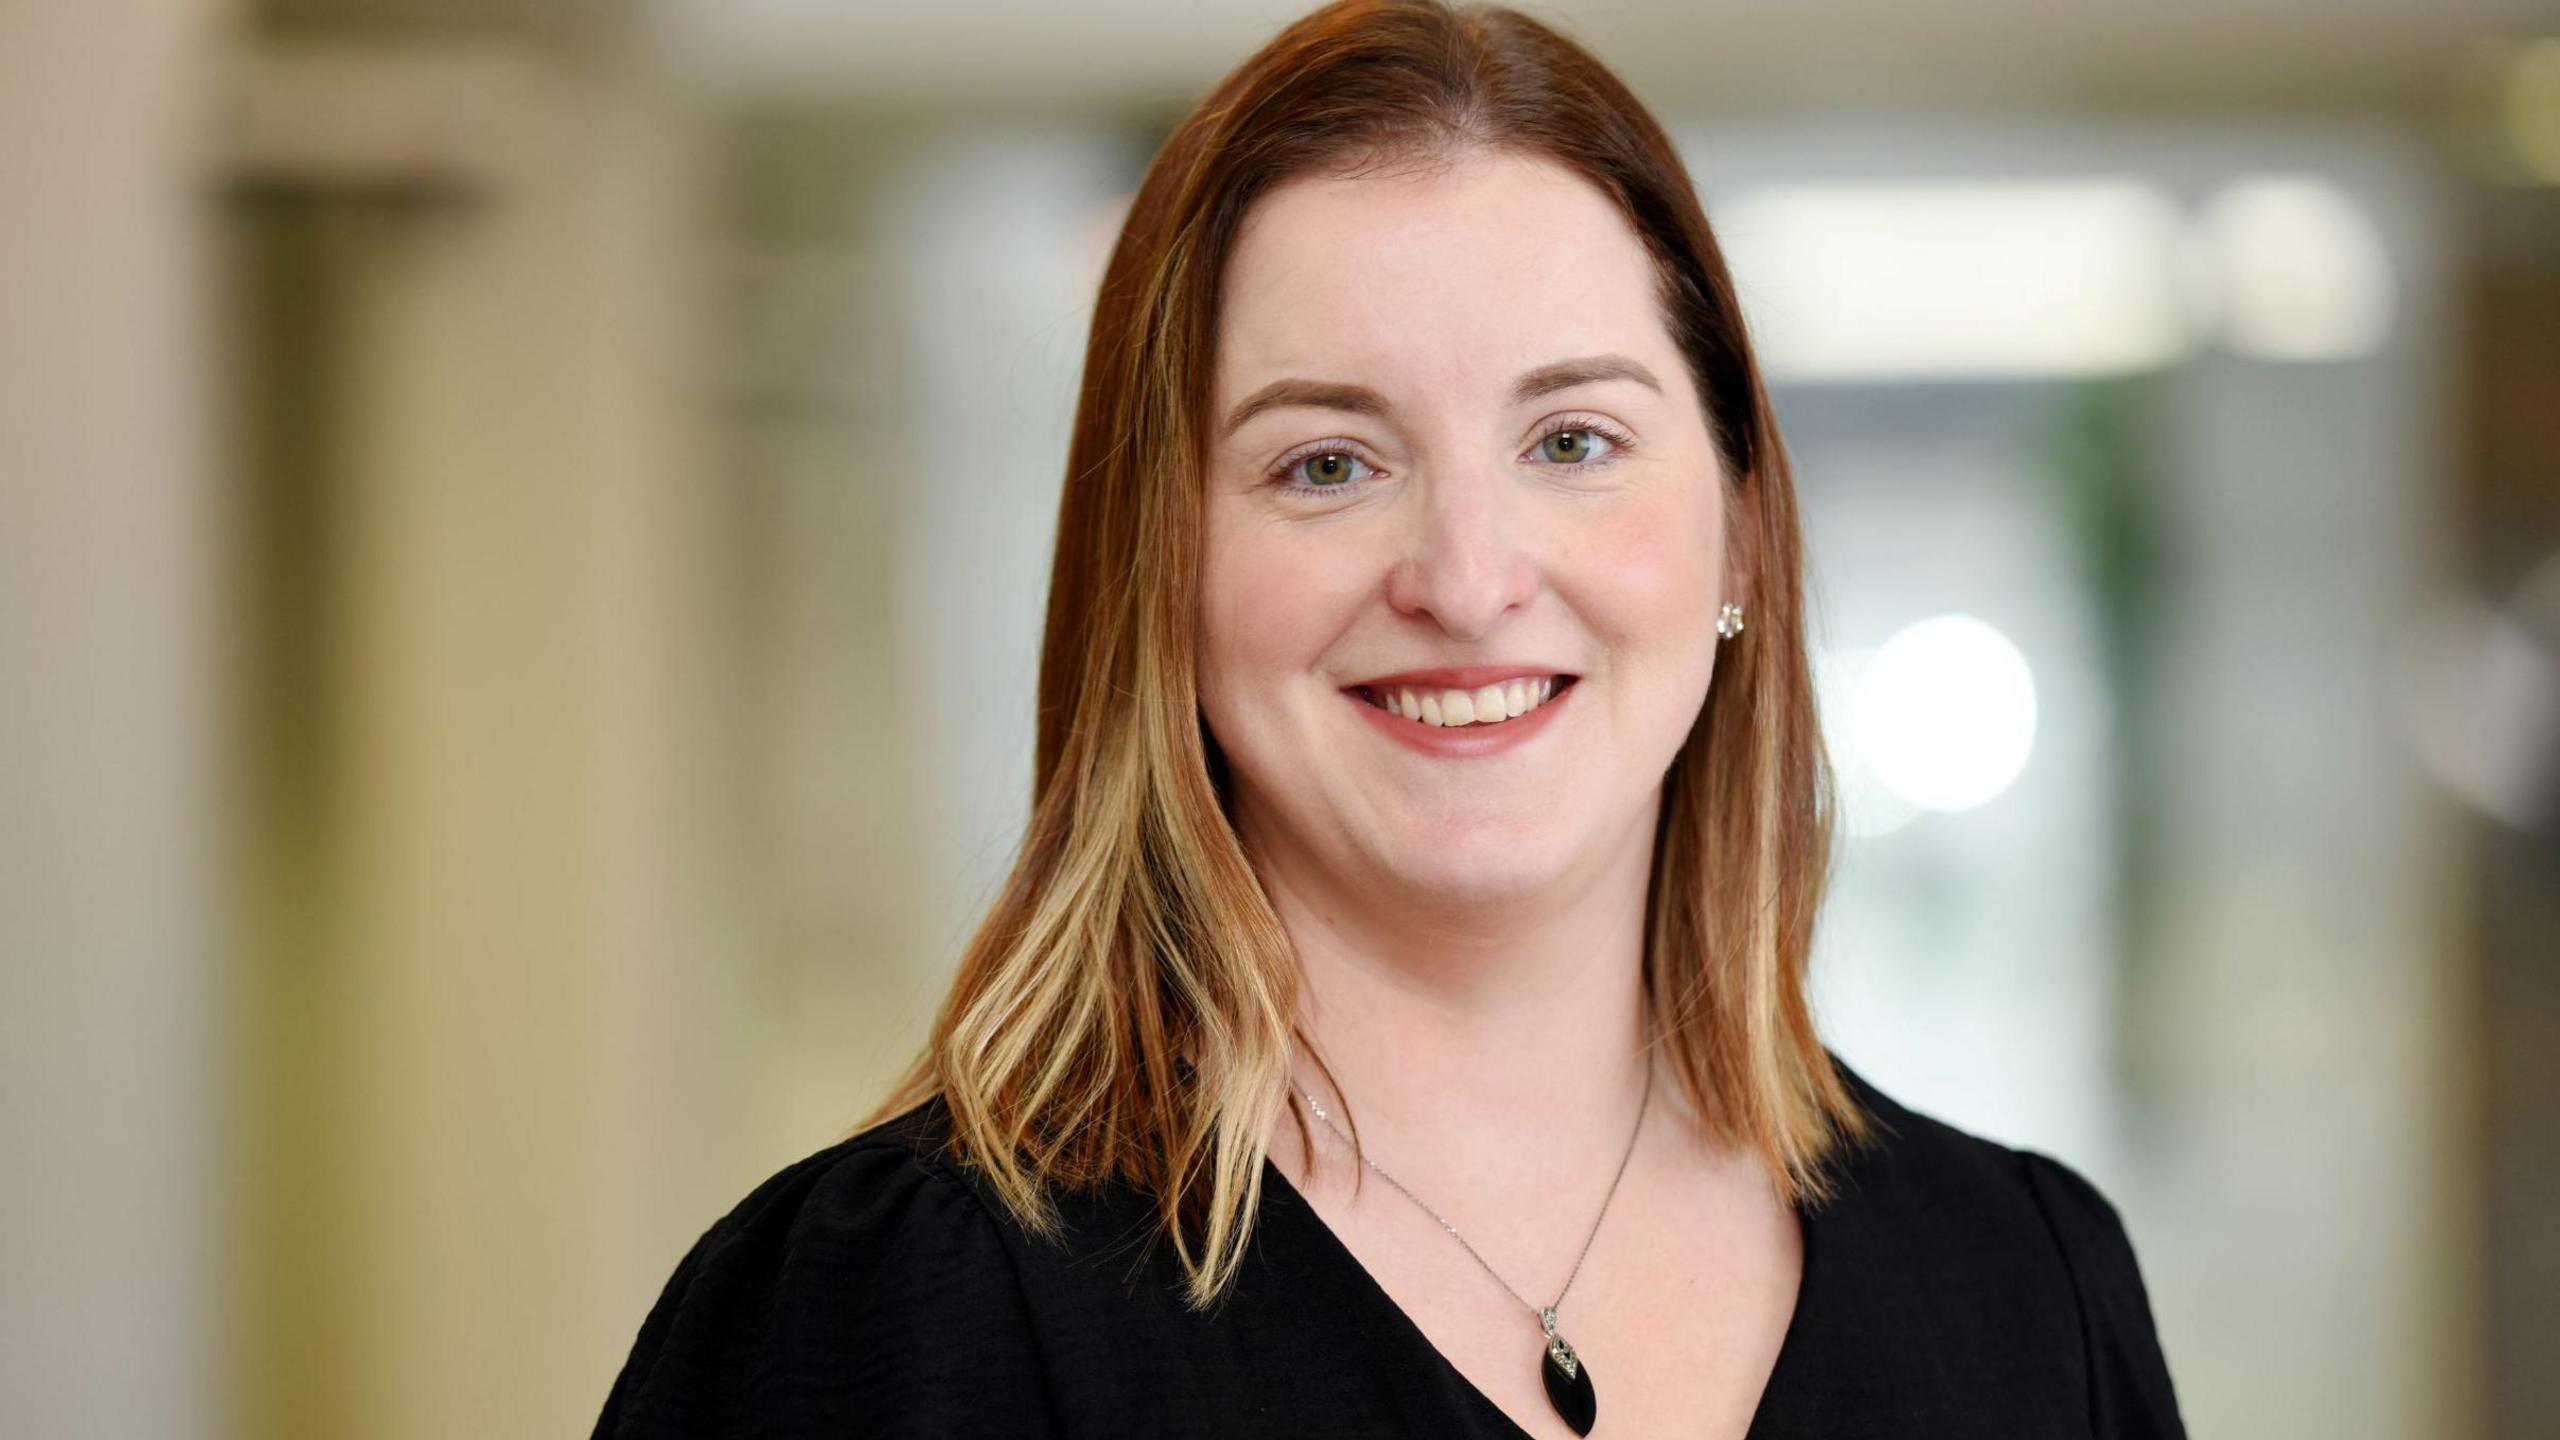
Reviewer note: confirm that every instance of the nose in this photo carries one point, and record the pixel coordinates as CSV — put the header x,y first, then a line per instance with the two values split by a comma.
x,y
1468,558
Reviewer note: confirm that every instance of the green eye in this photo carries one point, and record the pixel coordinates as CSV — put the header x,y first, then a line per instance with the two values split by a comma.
x,y
1328,469
1566,447
1569,445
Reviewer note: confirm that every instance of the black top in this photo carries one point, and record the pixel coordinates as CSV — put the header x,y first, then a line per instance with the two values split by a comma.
x,y
1957,1287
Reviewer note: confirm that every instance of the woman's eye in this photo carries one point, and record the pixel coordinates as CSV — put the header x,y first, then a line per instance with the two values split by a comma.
x,y
1570,445
1319,470
1322,470
1331,466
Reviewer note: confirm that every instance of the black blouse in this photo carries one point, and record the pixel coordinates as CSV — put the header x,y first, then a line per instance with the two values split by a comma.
x,y
1957,1287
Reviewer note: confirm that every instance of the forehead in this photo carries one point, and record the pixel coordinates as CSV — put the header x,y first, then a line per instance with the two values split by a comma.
x,y
1466,275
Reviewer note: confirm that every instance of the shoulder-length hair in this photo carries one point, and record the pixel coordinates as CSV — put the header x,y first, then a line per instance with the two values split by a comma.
x,y
1127,1009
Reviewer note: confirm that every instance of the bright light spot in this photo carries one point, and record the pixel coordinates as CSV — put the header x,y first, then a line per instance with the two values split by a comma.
x,y
2301,272
1974,278
1946,713
1867,807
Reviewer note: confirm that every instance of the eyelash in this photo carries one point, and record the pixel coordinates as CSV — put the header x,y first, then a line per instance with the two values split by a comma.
x,y
1283,473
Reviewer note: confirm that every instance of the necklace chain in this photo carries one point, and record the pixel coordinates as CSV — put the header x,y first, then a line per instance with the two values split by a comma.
x,y
1546,1313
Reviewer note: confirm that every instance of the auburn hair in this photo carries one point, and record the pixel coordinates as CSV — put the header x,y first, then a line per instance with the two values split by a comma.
x,y
1127,1008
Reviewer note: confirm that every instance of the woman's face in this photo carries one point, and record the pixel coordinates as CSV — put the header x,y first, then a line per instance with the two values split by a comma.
x,y
1468,442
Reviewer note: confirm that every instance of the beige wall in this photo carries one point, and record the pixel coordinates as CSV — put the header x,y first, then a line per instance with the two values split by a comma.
x,y
491,1019
106,692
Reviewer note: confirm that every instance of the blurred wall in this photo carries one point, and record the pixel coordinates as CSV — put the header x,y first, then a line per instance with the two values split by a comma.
x,y
108,701
488,957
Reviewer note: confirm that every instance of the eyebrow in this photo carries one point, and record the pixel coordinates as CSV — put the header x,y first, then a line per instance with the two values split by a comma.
x,y
1360,400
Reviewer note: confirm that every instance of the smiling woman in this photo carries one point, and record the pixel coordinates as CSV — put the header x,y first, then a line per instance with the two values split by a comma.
x,y
1401,736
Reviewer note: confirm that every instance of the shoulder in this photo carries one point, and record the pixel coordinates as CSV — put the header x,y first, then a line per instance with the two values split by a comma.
x,y
845,1289
849,1219
2019,1237
1921,1165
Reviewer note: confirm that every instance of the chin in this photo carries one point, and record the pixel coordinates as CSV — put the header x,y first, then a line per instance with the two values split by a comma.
x,y
1495,869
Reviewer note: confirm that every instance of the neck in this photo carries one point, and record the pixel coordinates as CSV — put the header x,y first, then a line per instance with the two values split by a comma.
x,y
1490,1046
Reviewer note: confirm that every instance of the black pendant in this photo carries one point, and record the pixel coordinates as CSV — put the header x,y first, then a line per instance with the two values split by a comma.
x,y
1568,1380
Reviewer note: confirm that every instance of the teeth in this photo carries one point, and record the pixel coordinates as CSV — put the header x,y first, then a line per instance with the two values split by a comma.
x,y
1490,705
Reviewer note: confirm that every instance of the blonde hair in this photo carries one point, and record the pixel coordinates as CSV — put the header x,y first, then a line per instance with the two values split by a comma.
x,y
1127,1009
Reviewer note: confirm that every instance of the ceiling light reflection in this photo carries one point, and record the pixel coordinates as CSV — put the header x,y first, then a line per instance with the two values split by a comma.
x,y
1945,714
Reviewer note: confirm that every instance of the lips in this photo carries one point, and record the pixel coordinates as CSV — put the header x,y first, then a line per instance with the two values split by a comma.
x,y
1463,723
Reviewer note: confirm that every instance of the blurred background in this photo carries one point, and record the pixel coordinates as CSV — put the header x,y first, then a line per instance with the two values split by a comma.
x,y
522,535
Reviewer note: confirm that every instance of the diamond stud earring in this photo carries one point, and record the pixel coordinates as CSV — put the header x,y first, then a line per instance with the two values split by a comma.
x,y
1729,620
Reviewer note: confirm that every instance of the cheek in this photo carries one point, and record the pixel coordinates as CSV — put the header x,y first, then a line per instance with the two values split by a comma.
x,y
1660,567
1271,598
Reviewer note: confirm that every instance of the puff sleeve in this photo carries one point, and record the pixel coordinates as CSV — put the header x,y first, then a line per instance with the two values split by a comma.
x,y
863,1291
2130,1397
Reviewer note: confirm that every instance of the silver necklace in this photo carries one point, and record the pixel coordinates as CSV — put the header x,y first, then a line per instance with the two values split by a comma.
x,y
1567,1375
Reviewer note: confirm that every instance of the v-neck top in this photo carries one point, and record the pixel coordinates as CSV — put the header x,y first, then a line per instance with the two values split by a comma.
x,y
1955,1287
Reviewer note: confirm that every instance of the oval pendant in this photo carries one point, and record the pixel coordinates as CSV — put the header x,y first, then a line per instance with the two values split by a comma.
x,y
1568,1380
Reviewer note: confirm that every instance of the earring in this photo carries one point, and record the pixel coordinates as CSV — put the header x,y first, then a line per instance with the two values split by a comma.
x,y
1729,620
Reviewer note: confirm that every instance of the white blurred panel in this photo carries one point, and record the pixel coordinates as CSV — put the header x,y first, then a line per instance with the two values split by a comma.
x,y
996,240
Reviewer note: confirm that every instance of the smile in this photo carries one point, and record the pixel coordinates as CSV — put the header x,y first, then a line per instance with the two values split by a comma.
x,y
1496,704
1420,719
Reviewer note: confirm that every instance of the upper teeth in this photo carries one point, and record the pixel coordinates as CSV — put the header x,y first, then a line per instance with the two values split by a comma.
x,y
1483,706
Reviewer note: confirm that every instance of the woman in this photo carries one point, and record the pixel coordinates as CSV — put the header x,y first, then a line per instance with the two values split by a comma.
x,y
1425,734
